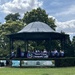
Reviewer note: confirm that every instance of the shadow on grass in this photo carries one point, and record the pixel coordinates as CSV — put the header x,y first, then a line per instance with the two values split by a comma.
x,y
45,74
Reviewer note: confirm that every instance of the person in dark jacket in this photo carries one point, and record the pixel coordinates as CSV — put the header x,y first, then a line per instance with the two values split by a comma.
x,y
18,51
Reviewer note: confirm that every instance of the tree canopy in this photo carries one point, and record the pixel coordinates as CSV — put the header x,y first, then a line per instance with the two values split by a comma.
x,y
12,17
8,28
39,15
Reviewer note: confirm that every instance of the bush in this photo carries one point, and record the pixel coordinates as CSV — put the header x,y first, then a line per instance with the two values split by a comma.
x,y
65,62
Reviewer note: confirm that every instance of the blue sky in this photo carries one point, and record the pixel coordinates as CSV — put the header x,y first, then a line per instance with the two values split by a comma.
x,y
62,10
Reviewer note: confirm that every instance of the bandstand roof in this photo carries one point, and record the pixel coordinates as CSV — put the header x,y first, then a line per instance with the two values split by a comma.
x,y
36,31
37,27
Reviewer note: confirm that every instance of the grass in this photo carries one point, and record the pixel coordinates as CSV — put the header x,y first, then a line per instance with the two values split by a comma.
x,y
37,71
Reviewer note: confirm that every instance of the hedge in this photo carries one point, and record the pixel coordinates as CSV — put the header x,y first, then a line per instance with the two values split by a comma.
x,y
65,62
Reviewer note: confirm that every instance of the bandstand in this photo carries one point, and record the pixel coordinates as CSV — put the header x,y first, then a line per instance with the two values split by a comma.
x,y
35,31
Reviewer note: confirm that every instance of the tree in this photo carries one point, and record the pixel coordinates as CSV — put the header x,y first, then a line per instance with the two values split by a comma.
x,y
73,40
39,15
8,28
12,17
69,50
73,44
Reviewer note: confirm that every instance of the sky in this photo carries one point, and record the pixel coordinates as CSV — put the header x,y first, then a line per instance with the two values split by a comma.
x,y
63,11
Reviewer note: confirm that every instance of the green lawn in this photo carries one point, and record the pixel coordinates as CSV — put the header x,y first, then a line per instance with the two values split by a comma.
x,y
37,71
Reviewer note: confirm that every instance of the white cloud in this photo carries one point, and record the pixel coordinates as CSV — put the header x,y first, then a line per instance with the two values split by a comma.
x,y
68,27
68,11
20,6
51,17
